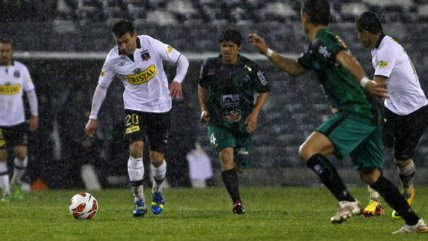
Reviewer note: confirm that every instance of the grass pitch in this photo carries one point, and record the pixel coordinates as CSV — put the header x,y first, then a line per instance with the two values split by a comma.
x,y
290,213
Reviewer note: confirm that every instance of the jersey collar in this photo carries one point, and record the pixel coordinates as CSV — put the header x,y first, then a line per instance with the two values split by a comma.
x,y
380,40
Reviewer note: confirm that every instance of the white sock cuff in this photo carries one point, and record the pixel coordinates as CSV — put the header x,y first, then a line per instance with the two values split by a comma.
x,y
3,166
160,171
20,164
135,169
409,169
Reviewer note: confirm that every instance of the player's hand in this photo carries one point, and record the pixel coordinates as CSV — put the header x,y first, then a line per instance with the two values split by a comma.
x,y
258,42
251,122
377,89
33,123
90,128
176,90
205,117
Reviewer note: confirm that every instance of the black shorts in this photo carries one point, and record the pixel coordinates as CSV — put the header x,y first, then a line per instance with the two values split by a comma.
x,y
154,126
14,135
403,132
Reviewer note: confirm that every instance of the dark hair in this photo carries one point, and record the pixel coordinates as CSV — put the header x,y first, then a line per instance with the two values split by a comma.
x,y
6,41
317,10
122,27
370,22
231,35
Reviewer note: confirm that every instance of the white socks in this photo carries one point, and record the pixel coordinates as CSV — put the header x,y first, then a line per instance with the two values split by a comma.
x,y
4,178
19,169
158,174
374,195
136,174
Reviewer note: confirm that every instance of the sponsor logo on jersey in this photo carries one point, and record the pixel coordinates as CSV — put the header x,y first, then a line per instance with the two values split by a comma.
x,y
9,89
324,52
383,64
230,101
132,129
145,55
142,76
170,49
262,78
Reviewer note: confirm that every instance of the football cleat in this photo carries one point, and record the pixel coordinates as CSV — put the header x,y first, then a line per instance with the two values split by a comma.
x,y
374,208
5,199
17,192
238,208
345,211
157,203
140,209
409,201
419,227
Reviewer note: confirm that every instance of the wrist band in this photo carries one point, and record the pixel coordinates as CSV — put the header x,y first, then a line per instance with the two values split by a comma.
x,y
364,81
269,53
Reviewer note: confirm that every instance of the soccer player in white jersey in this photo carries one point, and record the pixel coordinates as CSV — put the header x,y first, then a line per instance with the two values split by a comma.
x,y
406,108
14,80
137,61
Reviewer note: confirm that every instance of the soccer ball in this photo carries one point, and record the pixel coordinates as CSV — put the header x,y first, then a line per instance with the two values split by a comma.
x,y
83,206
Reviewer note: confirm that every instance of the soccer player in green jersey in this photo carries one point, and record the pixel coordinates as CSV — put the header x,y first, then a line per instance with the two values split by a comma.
x,y
227,84
355,129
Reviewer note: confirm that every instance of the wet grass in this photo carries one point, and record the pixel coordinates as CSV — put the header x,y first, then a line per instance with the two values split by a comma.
x,y
290,213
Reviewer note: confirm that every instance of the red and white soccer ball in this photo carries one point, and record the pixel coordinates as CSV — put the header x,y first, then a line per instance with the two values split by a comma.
x,y
83,206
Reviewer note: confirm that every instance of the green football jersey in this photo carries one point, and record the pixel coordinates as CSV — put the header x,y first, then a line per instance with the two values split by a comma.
x,y
341,88
231,89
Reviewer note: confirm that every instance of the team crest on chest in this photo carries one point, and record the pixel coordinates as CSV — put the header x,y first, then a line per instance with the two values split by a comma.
x,y
145,55
16,74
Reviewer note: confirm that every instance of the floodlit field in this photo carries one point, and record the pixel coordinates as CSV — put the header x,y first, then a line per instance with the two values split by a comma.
x,y
275,214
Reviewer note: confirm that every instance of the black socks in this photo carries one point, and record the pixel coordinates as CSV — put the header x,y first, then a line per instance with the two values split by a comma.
x,y
230,179
329,177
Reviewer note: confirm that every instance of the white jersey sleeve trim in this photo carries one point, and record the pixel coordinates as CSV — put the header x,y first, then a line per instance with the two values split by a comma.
x,y
182,67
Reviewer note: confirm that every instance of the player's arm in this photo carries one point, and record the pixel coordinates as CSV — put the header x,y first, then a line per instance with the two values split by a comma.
x,y
291,66
104,81
202,97
175,88
34,109
351,64
251,121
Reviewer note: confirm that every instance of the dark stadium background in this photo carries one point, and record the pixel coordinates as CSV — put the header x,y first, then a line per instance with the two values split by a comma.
x,y
64,43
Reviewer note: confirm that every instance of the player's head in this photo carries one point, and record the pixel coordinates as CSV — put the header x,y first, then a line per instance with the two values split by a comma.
x,y
368,29
230,43
6,52
315,12
125,36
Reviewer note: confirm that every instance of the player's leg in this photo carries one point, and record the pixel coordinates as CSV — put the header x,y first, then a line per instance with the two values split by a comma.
x,y
369,159
406,139
224,143
314,152
135,136
20,163
158,133
374,207
4,175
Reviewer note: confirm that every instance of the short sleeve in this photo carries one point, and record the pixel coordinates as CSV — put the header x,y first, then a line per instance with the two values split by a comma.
x,y
167,52
305,60
106,76
386,62
261,83
203,81
27,81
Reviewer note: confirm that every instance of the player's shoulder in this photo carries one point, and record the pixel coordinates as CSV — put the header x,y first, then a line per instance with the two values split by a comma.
x,y
19,65
211,61
247,61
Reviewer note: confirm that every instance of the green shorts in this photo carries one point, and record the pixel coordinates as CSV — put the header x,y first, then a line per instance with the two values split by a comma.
x,y
221,137
358,137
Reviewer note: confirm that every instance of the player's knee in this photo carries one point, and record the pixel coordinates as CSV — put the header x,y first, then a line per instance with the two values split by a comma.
x,y
226,158
304,152
370,176
21,152
136,149
402,160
